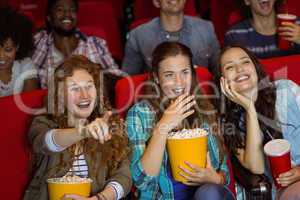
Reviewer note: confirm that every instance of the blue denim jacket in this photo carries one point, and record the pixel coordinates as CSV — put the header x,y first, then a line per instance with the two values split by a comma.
x,y
196,33
288,112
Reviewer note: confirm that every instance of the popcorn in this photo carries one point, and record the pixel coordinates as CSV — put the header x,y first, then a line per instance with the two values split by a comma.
x,y
70,180
187,133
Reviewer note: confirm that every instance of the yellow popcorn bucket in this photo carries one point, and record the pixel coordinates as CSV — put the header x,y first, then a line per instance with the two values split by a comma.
x,y
57,190
192,150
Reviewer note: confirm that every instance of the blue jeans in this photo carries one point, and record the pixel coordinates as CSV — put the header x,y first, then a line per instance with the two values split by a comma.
x,y
213,191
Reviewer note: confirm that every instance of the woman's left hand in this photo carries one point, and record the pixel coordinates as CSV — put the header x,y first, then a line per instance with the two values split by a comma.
x,y
77,197
287,178
198,175
290,32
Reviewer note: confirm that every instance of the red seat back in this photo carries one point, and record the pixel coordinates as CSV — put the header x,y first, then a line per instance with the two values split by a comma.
x,y
286,67
220,11
93,31
14,149
102,14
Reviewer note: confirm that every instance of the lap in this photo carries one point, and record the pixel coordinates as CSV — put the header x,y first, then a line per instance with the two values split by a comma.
x,y
213,191
290,193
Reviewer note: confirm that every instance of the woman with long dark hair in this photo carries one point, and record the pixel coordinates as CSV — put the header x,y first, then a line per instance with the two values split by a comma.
x,y
172,103
257,110
80,136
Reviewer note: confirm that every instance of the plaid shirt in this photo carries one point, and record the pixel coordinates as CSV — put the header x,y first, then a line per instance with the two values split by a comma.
x,y
92,47
140,121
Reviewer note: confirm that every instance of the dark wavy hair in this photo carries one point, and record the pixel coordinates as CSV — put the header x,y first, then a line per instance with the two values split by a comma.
x,y
18,28
113,151
204,110
246,11
231,112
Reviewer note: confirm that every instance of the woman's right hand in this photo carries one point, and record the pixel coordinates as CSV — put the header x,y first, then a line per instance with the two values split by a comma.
x,y
176,112
99,129
234,96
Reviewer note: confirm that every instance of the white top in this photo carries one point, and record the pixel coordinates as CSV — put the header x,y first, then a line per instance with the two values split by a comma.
x,y
80,167
21,71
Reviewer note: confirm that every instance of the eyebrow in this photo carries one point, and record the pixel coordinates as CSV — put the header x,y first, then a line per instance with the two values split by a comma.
x,y
242,58
73,83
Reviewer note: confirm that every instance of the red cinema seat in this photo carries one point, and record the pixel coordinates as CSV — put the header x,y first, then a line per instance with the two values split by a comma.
x,y
220,11
286,67
93,31
15,153
102,14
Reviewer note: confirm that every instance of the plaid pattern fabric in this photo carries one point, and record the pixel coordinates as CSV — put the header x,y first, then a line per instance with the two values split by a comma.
x,y
92,47
140,121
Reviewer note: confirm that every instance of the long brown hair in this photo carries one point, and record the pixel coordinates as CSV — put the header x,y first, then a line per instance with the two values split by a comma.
x,y
114,150
204,109
231,112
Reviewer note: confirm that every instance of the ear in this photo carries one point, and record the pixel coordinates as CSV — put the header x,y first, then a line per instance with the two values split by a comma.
x,y
156,3
155,79
48,19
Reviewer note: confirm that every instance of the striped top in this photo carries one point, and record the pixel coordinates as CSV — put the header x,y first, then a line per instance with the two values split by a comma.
x,y
263,46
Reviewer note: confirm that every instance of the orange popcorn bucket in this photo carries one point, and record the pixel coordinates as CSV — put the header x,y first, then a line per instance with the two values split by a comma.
x,y
57,190
192,150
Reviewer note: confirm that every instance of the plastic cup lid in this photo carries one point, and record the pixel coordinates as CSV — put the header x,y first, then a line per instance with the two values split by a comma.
x,y
277,147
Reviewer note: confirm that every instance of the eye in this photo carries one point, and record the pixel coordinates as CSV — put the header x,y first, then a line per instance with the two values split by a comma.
x,y
59,10
228,67
8,49
187,71
168,75
90,86
246,61
74,89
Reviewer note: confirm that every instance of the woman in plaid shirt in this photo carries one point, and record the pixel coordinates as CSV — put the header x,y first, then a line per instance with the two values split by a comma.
x,y
173,106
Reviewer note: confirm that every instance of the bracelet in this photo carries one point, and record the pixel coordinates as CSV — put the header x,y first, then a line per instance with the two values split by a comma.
x,y
101,196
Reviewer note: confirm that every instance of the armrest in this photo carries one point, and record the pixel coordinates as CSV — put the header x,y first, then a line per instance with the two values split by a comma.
x,y
254,184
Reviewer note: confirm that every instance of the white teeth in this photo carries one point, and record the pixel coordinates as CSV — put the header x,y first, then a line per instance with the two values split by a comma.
x,y
243,77
66,21
178,90
264,1
85,103
2,62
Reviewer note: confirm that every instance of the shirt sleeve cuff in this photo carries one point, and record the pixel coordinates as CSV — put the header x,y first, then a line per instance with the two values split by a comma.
x,y
51,144
117,188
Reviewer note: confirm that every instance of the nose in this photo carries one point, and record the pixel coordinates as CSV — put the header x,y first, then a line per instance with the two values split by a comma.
x,y
179,79
239,68
1,53
84,93
68,12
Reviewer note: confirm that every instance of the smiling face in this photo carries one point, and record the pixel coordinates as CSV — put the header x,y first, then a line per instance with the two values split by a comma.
x,y
8,52
238,68
81,94
261,7
170,6
175,76
63,17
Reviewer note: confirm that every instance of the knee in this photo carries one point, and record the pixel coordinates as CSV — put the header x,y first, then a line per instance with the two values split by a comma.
x,y
209,191
291,192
